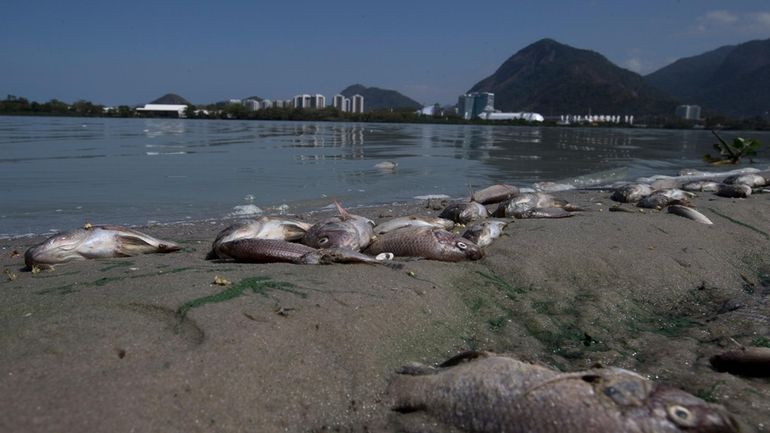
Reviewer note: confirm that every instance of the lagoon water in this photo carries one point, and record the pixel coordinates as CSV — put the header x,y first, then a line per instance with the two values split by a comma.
x,y
58,173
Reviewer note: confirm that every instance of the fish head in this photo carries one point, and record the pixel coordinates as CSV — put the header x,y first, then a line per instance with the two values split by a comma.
x,y
676,410
59,248
456,246
473,211
332,235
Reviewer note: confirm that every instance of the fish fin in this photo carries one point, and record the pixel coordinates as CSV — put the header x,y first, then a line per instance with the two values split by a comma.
x,y
292,232
128,245
342,211
464,357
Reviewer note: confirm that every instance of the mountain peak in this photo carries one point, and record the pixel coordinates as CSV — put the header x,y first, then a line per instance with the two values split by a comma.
x,y
171,98
380,99
552,78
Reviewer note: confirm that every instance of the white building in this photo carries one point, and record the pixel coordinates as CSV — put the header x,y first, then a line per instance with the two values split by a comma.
x,y
357,103
688,112
338,102
317,101
529,117
251,104
177,110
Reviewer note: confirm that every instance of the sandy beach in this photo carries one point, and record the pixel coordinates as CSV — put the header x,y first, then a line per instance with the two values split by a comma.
x,y
149,343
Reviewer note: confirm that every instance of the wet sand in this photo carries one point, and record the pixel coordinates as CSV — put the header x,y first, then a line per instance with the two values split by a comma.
x,y
148,343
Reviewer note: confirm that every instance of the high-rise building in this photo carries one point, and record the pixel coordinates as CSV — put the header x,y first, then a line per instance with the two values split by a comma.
x,y
302,101
251,104
317,101
338,102
470,105
357,103
347,105
688,112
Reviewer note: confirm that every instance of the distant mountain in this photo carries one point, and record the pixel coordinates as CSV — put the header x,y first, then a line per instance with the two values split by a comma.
x,y
170,98
732,80
381,99
551,78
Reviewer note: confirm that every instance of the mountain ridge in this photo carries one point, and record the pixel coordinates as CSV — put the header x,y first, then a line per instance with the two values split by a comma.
x,y
376,98
732,80
552,78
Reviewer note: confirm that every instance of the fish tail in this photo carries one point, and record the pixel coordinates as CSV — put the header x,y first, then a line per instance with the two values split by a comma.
x,y
407,388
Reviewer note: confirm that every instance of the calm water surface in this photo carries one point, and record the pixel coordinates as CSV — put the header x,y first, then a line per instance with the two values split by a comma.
x,y
57,173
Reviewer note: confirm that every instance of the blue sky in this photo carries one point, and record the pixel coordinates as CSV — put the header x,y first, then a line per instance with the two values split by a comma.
x,y
131,52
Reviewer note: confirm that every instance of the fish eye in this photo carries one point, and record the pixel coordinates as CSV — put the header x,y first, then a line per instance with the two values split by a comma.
x,y
462,245
680,415
323,241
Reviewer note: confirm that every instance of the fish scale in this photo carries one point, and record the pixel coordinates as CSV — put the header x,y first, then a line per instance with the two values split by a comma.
x,y
426,242
485,393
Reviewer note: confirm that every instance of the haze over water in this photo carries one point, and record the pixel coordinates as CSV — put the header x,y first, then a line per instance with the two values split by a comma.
x,y
58,173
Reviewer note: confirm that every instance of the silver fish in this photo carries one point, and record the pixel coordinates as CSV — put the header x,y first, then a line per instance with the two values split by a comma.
x,y
412,221
631,193
464,212
733,191
482,233
690,213
345,231
426,242
524,206
660,199
265,227
276,251
94,242
485,393
753,180
701,185
494,194
541,212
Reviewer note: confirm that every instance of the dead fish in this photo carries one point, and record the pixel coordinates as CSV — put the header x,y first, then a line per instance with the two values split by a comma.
x,y
265,227
426,242
482,233
733,191
412,221
631,193
494,194
690,213
665,197
280,251
485,393
753,180
525,204
464,212
746,361
386,166
701,186
537,212
94,242
344,231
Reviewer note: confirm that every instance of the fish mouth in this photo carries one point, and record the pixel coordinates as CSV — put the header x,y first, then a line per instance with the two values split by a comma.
x,y
475,253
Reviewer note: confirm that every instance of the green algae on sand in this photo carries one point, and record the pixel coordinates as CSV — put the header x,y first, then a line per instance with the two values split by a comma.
x,y
259,285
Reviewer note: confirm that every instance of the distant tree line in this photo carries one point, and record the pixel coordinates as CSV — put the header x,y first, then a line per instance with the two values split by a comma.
x,y
13,105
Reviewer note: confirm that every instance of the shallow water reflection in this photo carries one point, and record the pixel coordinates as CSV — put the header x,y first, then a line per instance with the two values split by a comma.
x,y
58,172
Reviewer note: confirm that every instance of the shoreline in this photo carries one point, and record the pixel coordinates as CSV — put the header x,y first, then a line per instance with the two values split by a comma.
x,y
101,344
